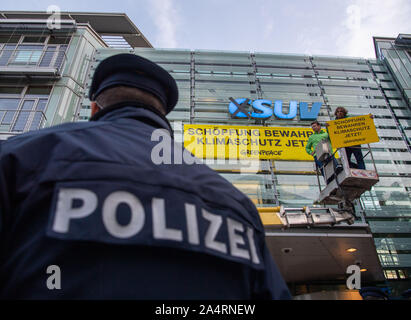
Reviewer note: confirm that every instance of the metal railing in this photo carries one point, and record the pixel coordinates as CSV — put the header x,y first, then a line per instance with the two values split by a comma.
x,y
34,58
361,156
19,121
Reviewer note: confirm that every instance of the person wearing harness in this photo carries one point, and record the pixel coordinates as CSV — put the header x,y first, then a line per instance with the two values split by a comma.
x,y
87,212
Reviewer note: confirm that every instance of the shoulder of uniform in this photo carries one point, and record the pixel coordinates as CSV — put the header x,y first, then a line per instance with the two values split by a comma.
x,y
218,185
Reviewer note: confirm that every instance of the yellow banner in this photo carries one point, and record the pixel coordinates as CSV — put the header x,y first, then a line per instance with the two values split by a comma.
x,y
246,142
352,131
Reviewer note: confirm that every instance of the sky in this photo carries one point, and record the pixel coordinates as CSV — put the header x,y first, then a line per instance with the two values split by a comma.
x,y
316,27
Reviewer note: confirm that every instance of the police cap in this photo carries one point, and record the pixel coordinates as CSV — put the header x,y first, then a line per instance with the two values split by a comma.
x,y
134,71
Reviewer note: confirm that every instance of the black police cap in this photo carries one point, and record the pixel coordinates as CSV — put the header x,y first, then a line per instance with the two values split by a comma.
x,y
134,71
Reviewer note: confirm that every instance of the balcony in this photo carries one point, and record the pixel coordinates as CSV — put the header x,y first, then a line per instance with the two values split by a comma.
x,y
32,60
18,121
403,40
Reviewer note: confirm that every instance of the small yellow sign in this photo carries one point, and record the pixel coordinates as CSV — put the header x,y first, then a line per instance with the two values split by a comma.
x,y
352,131
247,142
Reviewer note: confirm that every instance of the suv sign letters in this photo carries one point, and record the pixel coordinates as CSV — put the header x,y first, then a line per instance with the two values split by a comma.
x,y
262,109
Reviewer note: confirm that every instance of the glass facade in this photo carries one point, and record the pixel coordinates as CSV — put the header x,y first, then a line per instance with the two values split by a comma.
x,y
42,75
22,108
40,51
206,81
392,227
396,54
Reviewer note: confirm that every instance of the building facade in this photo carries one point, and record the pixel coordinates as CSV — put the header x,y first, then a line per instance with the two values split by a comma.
x,y
43,71
392,229
208,79
44,80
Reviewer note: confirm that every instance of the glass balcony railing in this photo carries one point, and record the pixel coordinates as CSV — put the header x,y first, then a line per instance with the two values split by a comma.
x,y
18,121
32,58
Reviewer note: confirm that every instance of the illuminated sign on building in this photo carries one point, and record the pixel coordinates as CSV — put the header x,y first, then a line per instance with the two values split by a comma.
x,y
262,109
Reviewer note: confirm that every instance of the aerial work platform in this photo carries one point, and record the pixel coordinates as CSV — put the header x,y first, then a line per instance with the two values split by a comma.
x,y
351,183
322,240
343,183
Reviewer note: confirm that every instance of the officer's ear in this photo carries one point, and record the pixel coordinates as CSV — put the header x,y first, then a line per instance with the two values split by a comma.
x,y
94,108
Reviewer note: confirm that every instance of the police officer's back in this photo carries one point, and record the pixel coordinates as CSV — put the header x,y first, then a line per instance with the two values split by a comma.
x,y
100,204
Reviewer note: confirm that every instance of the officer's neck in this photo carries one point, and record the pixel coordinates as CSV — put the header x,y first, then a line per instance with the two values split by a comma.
x,y
102,112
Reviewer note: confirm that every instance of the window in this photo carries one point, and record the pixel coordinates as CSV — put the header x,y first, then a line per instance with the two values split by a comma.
x,y
30,116
27,54
8,107
42,51
22,108
402,274
390,274
23,116
38,115
6,52
395,274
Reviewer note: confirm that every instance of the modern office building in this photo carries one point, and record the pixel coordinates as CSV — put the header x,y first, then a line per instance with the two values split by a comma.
x,y
44,65
45,75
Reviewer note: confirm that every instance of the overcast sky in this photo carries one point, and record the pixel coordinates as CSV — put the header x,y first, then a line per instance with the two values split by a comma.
x,y
323,27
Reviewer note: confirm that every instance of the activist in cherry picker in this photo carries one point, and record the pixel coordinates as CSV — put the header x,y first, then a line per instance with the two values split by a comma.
x,y
342,113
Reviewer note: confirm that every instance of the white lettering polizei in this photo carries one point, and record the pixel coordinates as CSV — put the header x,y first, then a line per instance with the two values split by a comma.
x,y
65,211
237,233
253,249
110,214
160,230
213,228
192,224
235,239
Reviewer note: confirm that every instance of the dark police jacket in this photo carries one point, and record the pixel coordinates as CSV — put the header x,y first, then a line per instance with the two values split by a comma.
x,y
95,210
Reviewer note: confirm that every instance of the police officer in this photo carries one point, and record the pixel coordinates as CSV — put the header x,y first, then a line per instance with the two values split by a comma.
x,y
87,210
